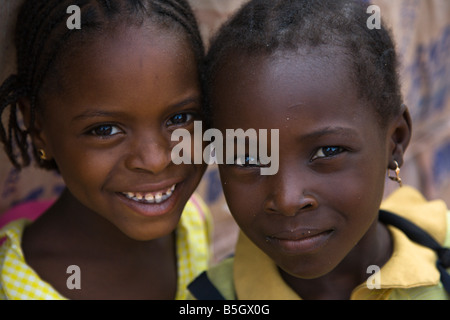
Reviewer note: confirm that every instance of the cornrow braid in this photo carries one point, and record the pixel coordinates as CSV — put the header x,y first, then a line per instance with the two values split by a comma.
x,y
42,38
9,94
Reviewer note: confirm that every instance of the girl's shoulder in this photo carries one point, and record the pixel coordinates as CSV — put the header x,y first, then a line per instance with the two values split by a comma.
x,y
198,206
194,236
30,210
18,281
197,218
214,283
430,215
14,220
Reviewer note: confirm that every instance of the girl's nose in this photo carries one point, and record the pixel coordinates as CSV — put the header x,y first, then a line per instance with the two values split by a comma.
x,y
149,155
289,195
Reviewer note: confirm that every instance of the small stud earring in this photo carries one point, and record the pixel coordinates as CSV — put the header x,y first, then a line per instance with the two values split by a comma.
x,y
397,174
42,154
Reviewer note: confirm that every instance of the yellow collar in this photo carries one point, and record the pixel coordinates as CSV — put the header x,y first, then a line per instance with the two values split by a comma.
x,y
411,204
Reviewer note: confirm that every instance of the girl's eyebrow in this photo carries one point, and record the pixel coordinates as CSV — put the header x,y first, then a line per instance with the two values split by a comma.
x,y
342,131
97,113
187,101
102,113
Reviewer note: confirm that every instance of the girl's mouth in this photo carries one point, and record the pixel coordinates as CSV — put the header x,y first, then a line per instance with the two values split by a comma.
x,y
302,241
150,197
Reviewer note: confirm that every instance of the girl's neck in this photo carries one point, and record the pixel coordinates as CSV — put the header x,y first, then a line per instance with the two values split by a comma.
x,y
113,266
91,227
375,248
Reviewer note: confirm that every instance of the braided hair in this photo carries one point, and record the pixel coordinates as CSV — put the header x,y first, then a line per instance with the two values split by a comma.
x,y
42,38
263,27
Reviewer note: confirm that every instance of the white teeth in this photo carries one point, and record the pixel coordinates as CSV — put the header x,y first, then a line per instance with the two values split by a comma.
x,y
150,197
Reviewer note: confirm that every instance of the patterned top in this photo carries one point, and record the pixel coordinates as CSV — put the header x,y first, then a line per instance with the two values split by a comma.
x,y
18,281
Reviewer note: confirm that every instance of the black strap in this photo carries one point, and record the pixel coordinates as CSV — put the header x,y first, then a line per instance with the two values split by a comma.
x,y
420,236
203,289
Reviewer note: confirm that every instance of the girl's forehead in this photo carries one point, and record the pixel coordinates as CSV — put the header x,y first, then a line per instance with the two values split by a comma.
x,y
320,69
319,60
121,35
289,84
113,47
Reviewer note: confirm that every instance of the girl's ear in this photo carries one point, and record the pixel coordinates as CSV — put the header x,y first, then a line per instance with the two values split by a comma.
x,y
35,128
400,136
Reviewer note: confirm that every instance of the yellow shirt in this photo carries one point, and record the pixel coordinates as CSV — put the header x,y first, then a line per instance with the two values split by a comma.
x,y
18,281
410,273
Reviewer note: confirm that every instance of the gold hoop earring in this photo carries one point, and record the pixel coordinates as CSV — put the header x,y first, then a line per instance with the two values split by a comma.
x,y
42,154
397,174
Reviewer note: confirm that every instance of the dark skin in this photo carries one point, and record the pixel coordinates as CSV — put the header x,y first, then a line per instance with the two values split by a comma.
x,y
112,265
109,130
317,218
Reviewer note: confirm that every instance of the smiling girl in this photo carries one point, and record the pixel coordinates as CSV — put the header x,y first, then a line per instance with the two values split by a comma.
x,y
100,104
314,71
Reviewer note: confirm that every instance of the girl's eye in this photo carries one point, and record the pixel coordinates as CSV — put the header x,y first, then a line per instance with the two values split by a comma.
x,y
105,130
327,152
180,118
247,161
